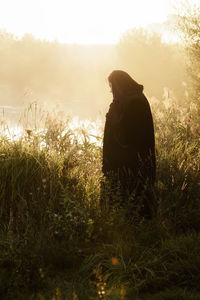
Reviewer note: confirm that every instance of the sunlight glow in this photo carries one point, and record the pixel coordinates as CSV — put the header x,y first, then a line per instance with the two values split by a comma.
x,y
13,133
80,21
87,128
82,129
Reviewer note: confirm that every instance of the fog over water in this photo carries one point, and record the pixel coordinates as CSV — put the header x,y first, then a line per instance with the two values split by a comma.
x,y
72,79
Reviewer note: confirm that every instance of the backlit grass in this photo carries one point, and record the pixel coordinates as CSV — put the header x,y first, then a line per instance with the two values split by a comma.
x,y
56,244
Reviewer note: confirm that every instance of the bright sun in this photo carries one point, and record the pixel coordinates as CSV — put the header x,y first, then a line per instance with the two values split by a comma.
x,y
80,21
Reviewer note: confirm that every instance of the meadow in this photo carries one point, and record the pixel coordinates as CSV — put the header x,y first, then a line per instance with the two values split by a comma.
x,y
55,243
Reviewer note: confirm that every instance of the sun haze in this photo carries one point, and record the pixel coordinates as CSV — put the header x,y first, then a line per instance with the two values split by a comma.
x,y
80,21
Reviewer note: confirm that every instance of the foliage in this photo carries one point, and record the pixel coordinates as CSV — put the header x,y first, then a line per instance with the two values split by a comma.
x,y
153,62
56,242
188,24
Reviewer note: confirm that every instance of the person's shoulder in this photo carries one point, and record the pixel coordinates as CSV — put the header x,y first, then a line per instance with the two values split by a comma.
x,y
137,100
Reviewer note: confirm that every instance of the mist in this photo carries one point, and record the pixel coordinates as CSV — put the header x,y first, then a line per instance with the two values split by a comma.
x,y
73,78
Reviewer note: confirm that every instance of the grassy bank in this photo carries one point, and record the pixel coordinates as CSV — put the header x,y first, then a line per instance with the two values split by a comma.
x,y
56,244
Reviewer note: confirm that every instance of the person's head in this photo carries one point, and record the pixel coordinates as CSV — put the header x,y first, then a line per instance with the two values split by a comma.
x,y
122,84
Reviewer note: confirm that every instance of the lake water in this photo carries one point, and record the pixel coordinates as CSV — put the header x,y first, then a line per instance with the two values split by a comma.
x,y
16,121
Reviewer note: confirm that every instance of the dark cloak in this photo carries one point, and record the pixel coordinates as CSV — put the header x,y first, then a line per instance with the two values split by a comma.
x,y
129,144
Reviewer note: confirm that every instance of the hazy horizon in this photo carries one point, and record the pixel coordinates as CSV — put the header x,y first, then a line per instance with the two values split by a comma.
x,y
74,77
63,59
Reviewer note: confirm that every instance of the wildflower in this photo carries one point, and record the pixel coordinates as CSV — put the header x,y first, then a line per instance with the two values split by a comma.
x,y
115,261
41,273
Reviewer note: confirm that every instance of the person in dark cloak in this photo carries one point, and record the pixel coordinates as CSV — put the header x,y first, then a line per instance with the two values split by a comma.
x,y
129,163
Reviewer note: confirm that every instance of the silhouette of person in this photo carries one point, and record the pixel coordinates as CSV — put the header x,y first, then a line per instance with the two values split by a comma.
x,y
128,144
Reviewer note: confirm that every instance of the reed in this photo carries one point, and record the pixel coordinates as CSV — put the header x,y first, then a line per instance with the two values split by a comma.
x,y
56,244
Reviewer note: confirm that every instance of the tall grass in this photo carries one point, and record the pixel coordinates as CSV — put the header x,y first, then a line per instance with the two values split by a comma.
x,y
54,236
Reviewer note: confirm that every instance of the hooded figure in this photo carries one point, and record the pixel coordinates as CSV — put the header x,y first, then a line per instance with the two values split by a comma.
x,y
129,144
